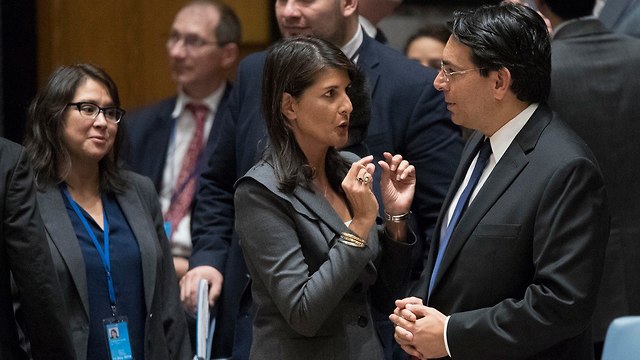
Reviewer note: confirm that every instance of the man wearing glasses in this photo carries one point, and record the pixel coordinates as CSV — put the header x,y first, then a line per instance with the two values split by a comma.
x,y
515,270
167,141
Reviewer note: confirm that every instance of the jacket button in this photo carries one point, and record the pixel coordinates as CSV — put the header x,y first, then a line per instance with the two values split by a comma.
x,y
362,321
150,315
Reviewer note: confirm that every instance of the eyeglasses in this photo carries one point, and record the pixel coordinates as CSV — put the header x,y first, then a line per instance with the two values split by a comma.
x,y
190,41
91,110
448,75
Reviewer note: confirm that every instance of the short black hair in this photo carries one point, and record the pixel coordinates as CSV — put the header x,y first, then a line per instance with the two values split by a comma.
x,y
512,36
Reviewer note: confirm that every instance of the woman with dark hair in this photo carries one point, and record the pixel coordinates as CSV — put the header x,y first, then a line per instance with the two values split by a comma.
x,y
103,224
318,254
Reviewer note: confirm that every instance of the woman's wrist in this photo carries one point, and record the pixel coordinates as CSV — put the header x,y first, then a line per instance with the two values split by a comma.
x,y
397,218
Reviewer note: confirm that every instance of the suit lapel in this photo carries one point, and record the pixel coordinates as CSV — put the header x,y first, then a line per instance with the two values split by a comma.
x,y
63,236
506,171
133,210
321,207
368,62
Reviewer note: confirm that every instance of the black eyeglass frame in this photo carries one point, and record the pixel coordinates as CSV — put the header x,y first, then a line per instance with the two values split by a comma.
x,y
104,110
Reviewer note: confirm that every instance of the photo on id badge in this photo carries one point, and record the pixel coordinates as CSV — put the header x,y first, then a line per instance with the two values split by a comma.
x,y
117,335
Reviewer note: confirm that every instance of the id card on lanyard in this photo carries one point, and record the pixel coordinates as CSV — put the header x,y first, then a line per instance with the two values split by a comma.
x,y
116,328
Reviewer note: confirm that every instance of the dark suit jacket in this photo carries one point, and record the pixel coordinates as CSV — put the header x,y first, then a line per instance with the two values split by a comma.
x,y
622,16
166,335
311,291
593,91
522,268
407,117
25,255
147,134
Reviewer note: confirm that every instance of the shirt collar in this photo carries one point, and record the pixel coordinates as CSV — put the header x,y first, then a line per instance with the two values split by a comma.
x,y
368,27
211,101
350,49
502,138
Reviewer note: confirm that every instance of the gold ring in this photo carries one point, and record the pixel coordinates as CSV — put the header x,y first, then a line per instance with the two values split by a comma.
x,y
366,180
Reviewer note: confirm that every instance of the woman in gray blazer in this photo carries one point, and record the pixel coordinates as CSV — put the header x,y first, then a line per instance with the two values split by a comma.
x,y
318,254
103,224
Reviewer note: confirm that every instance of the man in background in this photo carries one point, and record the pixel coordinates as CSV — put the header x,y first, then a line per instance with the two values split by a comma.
x,y
621,16
169,141
594,92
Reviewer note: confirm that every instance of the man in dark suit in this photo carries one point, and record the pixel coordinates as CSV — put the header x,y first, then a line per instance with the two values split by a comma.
x,y
24,254
407,117
517,276
592,91
202,47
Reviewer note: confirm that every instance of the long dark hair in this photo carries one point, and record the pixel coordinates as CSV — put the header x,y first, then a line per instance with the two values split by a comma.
x,y
45,127
292,65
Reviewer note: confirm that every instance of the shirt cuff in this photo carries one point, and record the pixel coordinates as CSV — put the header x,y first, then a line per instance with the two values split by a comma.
x,y
446,343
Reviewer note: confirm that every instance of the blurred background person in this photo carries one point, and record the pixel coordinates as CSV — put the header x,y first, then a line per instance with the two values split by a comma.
x,y
306,215
426,45
592,91
168,141
621,16
104,225
25,258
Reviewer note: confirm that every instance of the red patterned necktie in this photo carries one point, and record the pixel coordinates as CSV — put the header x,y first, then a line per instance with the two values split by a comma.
x,y
185,187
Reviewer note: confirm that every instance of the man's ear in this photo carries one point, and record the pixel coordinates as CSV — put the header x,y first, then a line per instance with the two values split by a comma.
x,y
502,82
288,107
230,55
348,7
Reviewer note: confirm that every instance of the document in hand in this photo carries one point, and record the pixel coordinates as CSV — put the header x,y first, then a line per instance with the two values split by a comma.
x,y
202,322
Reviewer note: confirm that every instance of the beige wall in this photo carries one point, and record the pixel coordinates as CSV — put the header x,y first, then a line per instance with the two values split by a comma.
x,y
126,38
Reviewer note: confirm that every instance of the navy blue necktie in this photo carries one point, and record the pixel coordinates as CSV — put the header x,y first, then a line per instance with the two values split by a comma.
x,y
483,157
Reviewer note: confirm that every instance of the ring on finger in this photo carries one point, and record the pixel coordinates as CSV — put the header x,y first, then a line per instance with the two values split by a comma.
x,y
360,180
366,180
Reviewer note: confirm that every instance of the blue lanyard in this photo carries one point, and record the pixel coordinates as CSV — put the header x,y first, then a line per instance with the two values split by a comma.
x,y
104,253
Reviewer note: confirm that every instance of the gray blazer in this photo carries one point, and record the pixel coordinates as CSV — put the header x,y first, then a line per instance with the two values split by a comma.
x,y
595,89
166,335
312,293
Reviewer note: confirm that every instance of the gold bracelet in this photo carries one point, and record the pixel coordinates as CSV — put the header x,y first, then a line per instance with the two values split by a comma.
x,y
352,240
397,218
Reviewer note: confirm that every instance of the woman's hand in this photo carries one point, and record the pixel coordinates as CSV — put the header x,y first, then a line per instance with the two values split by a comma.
x,y
397,184
357,187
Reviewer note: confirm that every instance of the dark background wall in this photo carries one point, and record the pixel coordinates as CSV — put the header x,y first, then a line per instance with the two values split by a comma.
x,y
18,79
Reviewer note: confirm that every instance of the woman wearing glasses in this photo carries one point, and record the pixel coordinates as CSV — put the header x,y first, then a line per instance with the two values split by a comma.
x,y
104,224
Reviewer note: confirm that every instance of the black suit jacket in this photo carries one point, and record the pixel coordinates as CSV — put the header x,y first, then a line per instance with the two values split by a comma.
x,y
592,91
24,253
148,132
408,117
521,272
